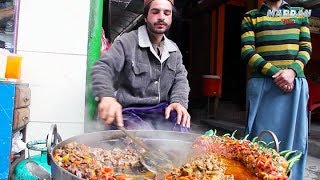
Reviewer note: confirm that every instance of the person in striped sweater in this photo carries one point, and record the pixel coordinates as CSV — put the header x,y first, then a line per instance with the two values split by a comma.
x,y
276,45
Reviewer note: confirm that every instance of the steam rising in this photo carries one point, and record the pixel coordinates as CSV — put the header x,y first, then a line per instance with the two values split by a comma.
x,y
176,145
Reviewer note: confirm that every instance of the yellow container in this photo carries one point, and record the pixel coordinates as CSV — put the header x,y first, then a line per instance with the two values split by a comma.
x,y
13,70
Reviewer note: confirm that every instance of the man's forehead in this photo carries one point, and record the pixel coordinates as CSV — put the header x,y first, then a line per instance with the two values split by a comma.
x,y
149,1
161,4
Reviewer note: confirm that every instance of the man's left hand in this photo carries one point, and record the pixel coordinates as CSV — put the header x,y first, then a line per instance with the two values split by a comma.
x,y
183,117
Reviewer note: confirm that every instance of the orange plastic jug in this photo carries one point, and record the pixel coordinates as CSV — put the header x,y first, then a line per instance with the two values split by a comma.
x,y
13,70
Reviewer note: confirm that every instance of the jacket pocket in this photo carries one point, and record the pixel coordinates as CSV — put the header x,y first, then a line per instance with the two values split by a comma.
x,y
140,74
172,66
139,68
169,74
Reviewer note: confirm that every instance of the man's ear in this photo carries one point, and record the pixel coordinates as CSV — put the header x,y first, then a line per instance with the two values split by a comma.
x,y
145,19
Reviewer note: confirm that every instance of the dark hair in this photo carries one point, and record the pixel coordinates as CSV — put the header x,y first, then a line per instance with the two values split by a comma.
x,y
146,9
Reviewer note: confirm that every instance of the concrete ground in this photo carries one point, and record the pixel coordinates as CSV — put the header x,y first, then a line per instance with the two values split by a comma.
x,y
229,118
313,168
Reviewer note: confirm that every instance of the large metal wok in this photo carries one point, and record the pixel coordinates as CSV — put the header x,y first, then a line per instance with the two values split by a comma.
x,y
176,144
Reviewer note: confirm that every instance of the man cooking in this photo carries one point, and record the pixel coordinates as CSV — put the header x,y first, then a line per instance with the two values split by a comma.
x,y
141,81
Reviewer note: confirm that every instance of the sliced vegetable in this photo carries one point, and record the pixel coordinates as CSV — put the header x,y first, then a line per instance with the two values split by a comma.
x,y
209,133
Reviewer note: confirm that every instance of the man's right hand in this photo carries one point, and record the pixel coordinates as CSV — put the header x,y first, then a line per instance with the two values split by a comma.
x,y
110,110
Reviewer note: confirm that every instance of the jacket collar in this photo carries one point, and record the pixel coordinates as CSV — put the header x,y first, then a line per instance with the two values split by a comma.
x,y
144,40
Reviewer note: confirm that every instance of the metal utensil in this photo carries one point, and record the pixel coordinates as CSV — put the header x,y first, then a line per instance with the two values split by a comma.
x,y
155,161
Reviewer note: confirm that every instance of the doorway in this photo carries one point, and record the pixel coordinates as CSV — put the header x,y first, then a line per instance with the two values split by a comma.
x,y
234,68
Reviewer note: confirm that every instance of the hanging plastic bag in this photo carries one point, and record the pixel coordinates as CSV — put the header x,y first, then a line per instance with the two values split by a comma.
x,y
17,143
105,44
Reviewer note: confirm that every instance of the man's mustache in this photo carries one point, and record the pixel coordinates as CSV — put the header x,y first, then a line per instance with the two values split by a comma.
x,y
161,22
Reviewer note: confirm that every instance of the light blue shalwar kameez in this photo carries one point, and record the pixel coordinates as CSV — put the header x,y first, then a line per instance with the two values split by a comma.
x,y
269,108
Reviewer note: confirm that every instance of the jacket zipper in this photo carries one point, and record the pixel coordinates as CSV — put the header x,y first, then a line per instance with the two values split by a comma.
x,y
159,81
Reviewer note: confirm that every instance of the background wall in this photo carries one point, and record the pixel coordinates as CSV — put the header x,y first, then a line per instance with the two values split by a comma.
x,y
312,70
315,40
52,38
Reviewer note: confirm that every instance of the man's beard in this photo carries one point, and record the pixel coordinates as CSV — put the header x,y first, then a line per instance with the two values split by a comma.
x,y
274,0
152,28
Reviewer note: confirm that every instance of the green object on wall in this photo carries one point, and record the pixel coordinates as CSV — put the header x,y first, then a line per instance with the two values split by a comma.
x,y
94,45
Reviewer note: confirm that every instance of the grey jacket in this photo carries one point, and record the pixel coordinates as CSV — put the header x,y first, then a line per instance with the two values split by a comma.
x,y
135,75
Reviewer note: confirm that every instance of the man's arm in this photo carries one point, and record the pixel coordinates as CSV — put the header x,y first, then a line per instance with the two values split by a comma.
x,y
106,70
304,48
180,88
248,52
179,95
104,74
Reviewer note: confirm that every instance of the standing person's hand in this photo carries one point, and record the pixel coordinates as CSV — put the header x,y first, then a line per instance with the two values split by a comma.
x,y
183,117
285,79
110,110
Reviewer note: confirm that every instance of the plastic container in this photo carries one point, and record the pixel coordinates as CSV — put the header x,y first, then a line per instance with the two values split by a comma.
x,y
210,85
13,70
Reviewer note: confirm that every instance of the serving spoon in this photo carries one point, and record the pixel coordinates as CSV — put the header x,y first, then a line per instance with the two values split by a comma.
x,y
155,161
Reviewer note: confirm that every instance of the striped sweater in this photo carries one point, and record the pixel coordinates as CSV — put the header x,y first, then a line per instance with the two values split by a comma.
x,y
273,43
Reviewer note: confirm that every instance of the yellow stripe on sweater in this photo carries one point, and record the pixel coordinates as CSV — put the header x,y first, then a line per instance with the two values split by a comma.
x,y
247,34
300,64
253,59
247,47
273,19
266,68
281,62
277,48
304,29
278,32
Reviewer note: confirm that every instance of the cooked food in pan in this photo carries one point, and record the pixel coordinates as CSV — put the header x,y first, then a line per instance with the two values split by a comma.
x,y
214,157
